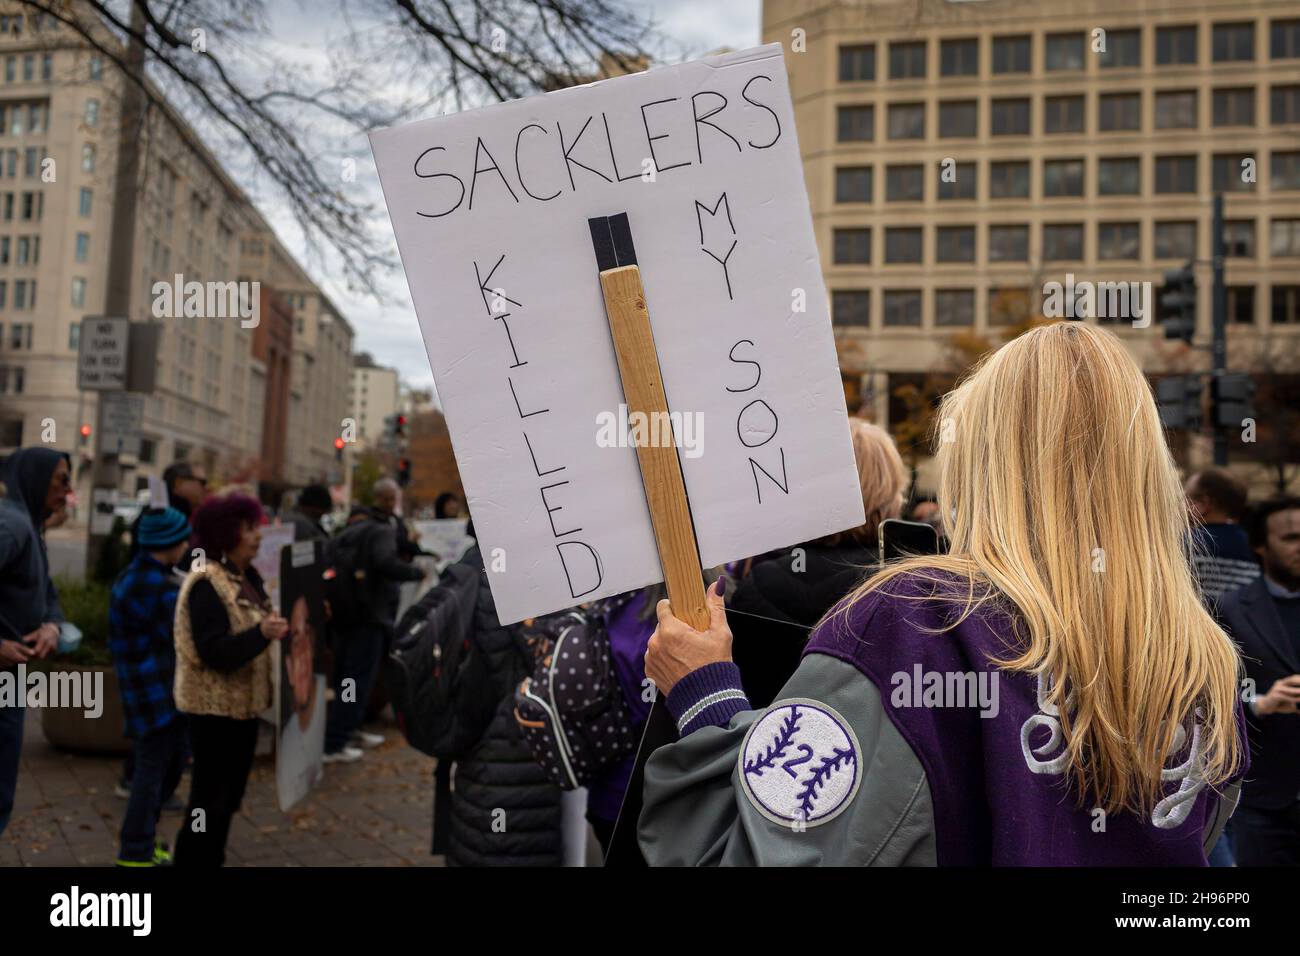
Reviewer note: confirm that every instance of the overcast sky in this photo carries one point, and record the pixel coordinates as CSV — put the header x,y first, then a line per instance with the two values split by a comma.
x,y
389,331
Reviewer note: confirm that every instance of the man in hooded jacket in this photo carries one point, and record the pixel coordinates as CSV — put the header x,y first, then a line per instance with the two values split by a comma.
x,y
37,481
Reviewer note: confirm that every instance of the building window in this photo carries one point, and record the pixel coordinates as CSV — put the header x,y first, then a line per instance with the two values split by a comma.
x,y
20,333
1123,48
1008,243
78,293
954,306
1284,105
92,113
1010,305
857,63
1175,240
856,124
903,307
96,67
907,60
902,244
1175,174
1011,117
74,336
1176,109
957,184
1241,304
83,202
1286,304
1063,114
959,57
1009,179
907,121
1012,54
1119,111
853,184
1175,45
1064,52
29,68
1233,42
1118,176
1062,242
1239,238
1284,39
83,246
87,158
1284,237
1228,170
1063,177
852,246
1118,240
958,118
1285,170
955,244
1234,107
851,307
904,183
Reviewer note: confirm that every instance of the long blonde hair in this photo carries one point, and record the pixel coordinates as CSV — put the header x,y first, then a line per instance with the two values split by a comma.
x,y
1059,495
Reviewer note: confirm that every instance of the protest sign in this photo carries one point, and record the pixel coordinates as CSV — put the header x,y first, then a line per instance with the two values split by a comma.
x,y
267,560
300,688
491,212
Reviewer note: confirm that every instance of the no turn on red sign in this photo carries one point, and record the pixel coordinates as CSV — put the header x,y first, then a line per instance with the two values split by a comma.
x,y
102,354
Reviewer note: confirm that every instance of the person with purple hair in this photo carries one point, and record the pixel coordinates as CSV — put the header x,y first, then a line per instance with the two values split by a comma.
x,y
224,627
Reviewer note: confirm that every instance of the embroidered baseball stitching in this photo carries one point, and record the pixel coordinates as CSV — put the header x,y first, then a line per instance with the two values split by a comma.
x,y
780,743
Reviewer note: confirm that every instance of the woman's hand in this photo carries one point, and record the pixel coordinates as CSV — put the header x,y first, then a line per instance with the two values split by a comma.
x,y
676,648
274,627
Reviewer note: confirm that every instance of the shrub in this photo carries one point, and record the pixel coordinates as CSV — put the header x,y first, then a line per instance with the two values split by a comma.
x,y
85,604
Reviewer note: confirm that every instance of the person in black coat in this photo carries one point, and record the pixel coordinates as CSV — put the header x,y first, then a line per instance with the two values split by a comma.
x,y
504,810
1264,618
784,595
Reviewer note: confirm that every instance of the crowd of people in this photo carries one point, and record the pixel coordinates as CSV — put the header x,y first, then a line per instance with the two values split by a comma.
x,y
1131,643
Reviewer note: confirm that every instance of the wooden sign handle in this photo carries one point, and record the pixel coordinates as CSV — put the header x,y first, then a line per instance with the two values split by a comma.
x,y
661,470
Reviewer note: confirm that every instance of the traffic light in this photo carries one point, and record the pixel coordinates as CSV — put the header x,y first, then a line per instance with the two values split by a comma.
x,y
1178,303
403,471
1232,398
399,426
85,434
1179,400
338,449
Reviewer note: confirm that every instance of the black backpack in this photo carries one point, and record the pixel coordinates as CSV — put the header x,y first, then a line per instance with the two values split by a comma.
x,y
571,709
434,666
347,589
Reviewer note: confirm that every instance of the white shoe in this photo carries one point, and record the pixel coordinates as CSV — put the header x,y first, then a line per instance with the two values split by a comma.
x,y
346,755
369,741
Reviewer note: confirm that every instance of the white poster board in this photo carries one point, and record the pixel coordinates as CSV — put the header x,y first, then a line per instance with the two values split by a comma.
x,y
445,537
490,208
267,560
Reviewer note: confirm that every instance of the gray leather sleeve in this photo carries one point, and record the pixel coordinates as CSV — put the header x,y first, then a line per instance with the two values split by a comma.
x,y
697,813
1223,811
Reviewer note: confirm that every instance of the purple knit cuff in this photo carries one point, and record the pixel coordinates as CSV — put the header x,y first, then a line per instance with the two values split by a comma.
x,y
708,696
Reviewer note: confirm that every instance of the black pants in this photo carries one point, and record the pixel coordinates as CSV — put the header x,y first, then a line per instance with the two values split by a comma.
x,y
223,756
159,760
1266,837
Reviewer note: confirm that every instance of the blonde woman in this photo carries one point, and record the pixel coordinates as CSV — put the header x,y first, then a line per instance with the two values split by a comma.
x,y
783,596
1051,692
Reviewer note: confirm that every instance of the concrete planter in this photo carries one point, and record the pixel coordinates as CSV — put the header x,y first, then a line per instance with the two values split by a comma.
x,y
68,728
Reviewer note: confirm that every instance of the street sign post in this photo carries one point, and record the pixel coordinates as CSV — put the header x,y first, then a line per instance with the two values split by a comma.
x,y
102,354
121,418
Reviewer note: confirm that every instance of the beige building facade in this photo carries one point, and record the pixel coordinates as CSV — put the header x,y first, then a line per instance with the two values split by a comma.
x,y
961,156
60,103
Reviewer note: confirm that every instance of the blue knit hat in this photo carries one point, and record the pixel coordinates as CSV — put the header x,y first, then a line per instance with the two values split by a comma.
x,y
162,528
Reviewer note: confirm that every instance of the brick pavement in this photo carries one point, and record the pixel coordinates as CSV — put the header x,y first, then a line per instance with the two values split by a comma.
x,y
375,812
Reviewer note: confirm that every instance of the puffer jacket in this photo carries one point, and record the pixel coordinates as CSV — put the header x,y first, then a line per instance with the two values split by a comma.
x,y
504,811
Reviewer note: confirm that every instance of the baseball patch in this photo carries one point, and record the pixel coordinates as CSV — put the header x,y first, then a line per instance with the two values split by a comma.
x,y
800,763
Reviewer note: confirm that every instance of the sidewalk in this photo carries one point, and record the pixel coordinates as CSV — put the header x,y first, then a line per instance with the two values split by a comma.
x,y
375,812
